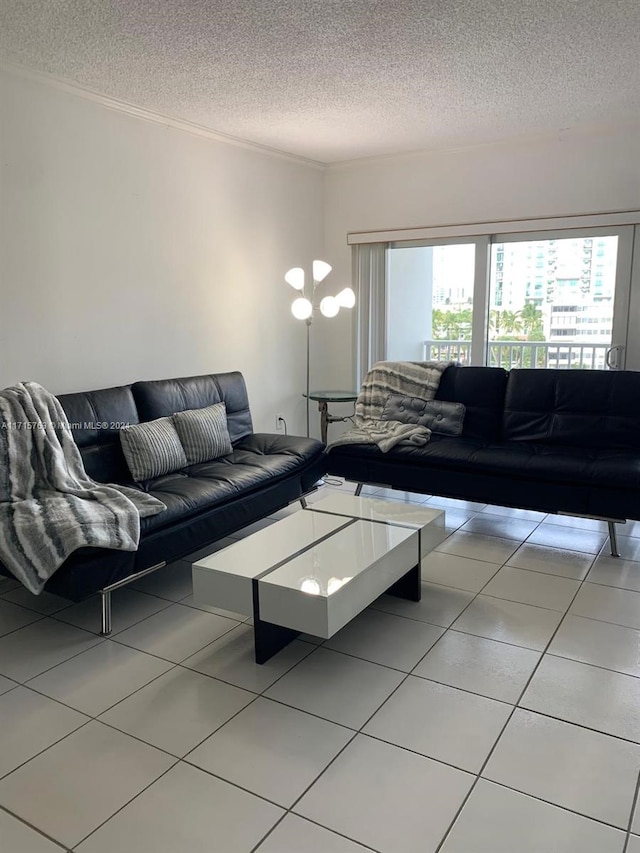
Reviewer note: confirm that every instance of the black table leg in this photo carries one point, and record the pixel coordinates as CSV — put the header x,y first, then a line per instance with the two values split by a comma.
x,y
268,639
323,408
408,586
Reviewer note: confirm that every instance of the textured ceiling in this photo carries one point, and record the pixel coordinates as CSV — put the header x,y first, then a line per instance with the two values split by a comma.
x,y
340,79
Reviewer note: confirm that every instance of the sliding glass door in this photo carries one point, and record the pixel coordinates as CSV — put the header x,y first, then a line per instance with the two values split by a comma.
x,y
430,301
517,300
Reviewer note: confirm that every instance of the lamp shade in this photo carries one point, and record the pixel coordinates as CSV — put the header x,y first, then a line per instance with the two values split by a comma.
x,y
346,298
295,277
329,306
321,270
301,308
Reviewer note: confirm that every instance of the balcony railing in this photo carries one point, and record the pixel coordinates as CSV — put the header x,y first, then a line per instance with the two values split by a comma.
x,y
508,354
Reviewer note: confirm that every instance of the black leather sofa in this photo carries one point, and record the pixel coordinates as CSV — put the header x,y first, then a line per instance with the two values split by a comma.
x,y
205,502
558,441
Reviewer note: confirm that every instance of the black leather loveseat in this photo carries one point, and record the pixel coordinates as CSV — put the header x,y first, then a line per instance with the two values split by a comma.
x,y
205,502
559,441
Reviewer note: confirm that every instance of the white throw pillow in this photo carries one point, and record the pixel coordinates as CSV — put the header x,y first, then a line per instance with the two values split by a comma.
x,y
204,433
152,449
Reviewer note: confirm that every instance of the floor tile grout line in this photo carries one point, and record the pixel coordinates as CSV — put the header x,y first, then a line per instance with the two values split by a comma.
x,y
97,716
634,806
252,701
40,752
195,652
516,601
593,665
312,648
508,720
161,748
509,565
439,550
246,790
33,609
100,641
466,689
315,823
90,719
22,627
530,648
612,586
34,828
377,663
606,621
548,716
135,797
555,805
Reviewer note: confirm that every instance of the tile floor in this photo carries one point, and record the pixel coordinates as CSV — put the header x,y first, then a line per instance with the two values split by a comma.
x,y
501,714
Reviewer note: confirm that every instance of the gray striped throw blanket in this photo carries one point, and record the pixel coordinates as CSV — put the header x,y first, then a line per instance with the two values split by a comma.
x,y
408,378
49,507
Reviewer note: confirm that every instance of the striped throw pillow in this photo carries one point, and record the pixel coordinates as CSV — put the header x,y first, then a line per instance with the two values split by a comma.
x,y
204,433
152,449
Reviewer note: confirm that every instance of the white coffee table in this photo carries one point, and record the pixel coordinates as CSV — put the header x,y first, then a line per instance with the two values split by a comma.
x,y
316,569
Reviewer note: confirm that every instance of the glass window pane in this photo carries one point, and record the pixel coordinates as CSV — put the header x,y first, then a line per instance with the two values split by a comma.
x,y
430,303
551,302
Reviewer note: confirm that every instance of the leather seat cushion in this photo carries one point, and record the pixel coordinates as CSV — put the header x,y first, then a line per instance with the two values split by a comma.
x,y
619,468
256,460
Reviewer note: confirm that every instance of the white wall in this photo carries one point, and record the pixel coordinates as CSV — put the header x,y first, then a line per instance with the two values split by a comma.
x,y
571,174
130,250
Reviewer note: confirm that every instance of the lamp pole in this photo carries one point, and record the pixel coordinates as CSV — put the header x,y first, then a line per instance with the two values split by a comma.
x,y
308,322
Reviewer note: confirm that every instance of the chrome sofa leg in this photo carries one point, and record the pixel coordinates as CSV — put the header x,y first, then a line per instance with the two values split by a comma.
x,y
303,503
613,539
358,490
105,594
105,600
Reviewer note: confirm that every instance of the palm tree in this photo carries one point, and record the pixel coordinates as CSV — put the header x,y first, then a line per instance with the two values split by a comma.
x,y
531,317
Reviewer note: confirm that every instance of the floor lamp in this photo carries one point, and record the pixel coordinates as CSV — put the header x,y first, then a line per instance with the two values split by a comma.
x,y
304,306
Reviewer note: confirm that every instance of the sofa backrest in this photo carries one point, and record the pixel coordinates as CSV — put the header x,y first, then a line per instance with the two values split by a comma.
x,y
95,418
482,390
584,408
164,397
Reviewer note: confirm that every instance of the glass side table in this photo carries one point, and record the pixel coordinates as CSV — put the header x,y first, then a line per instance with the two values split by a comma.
x,y
323,398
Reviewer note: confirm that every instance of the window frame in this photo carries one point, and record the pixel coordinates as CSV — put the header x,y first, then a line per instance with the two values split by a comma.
x,y
483,236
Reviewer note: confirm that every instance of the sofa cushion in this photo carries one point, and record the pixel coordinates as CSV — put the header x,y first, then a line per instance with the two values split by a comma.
x,y
203,433
256,461
581,408
95,418
440,416
164,397
152,449
513,460
482,391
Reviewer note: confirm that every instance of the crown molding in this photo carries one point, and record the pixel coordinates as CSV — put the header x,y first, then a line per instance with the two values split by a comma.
x,y
564,134
73,88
